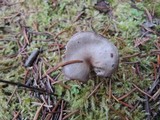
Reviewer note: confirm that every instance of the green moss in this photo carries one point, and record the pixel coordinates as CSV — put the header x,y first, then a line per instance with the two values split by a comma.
x,y
124,22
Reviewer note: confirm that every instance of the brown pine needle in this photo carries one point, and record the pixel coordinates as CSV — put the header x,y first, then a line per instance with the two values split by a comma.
x,y
95,89
61,65
141,90
15,117
68,115
155,96
126,104
25,36
115,98
123,103
49,115
124,96
38,112
110,89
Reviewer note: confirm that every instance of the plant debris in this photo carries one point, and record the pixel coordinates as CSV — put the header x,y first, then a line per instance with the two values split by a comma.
x,y
132,93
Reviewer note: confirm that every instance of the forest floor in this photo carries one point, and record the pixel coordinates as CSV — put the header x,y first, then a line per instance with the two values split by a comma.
x,y
37,90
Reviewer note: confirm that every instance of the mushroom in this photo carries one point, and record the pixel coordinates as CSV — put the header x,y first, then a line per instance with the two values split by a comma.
x,y
96,52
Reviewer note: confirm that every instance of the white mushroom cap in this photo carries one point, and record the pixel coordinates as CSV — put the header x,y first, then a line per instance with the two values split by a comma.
x,y
95,51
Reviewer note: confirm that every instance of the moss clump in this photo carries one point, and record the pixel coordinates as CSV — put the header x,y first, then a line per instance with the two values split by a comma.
x,y
50,25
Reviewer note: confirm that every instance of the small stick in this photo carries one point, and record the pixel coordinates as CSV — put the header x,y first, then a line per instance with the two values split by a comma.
x,y
135,106
61,111
110,89
141,90
61,65
130,62
67,116
50,78
95,89
154,84
25,35
49,115
25,86
37,112
115,98
118,112
121,102
155,96
148,15
60,33
125,104
53,45
129,56
124,96
154,69
12,16
15,89
79,16
17,114
147,108
148,29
